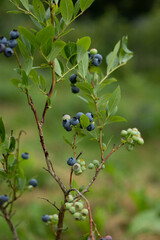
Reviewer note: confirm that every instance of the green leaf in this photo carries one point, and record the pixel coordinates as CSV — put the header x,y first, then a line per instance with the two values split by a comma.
x,y
28,35
2,131
83,65
84,121
101,86
24,78
83,44
113,119
27,66
56,49
113,101
34,76
66,9
84,4
23,49
12,144
46,48
57,67
85,86
45,34
39,10
16,82
25,3
112,59
76,8
69,52
42,83
125,54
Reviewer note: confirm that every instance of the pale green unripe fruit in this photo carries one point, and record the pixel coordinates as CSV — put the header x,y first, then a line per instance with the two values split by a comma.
x,y
66,117
78,172
72,210
83,168
130,147
69,198
90,166
30,187
84,212
135,138
76,167
104,146
82,162
130,140
140,141
68,205
103,166
129,131
96,163
93,51
78,206
54,218
124,133
77,216
83,218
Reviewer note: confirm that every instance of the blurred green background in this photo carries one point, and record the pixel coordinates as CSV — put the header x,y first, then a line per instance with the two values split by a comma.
x,y
126,198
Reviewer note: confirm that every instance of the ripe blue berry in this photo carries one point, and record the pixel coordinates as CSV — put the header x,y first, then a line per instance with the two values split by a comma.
x,y
2,47
78,115
25,155
45,218
99,56
74,121
3,198
90,116
33,182
73,78
14,34
12,43
75,89
97,60
91,127
8,52
3,40
90,55
68,129
71,161
66,123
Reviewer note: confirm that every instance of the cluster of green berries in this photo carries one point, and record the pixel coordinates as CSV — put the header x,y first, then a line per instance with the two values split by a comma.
x,y
76,208
50,218
78,166
68,122
94,57
6,46
3,198
95,164
131,136
73,80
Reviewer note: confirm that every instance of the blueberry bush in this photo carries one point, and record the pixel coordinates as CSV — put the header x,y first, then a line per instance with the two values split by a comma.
x,y
80,64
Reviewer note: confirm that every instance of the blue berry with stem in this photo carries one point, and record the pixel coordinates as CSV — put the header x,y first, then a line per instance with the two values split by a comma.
x,y
33,182
3,40
12,43
45,218
90,116
71,161
74,121
79,114
8,52
91,127
2,47
73,78
14,34
75,89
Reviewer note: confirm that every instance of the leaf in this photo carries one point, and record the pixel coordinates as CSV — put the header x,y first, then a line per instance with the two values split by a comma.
x,y
114,119
83,44
83,65
24,78
84,121
125,54
113,101
45,34
112,59
39,10
34,76
23,49
101,86
66,9
57,67
85,86
25,4
2,131
76,8
27,66
69,52
56,49
42,83
16,82
28,35
12,144
84,4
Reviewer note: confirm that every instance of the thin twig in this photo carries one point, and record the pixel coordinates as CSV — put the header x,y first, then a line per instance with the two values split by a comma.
x,y
53,204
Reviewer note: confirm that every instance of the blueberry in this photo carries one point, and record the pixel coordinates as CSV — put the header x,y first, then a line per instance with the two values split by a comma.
x,y
8,52
91,127
33,182
75,89
90,56
97,60
74,121
99,56
66,123
68,129
3,198
2,47
25,155
71,161
78,115
14,34
12,43
73,78
3,40
90,116
45,218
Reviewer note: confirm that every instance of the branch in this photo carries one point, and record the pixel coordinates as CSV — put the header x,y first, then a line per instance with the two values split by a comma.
x,y
53,204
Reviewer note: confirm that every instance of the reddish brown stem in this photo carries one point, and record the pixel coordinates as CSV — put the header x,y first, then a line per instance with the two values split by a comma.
x,y
60,223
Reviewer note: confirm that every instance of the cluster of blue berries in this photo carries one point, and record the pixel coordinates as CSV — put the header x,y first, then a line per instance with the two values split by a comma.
x,y
3,198
94,57
78,166
131,136
76,208
69,123
50,218
73,80
6,46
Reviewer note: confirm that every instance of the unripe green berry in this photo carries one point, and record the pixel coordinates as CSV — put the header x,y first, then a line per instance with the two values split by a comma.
x,y
90,166
140,141
78,206
103,166
66,117
129,130
104,146
68,205
69,198
96,163
124,133
130,147
130,140
77,216
83,218
93,51
135,138
76,167
78,172
82,162
84,212
72,209
54,218
83,168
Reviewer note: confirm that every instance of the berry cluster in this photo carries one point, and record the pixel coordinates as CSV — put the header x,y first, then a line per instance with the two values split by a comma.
x,y
3,198
76,208
69,123
73,80
94,57
6,46
78,166
131,136
95,164
50,218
